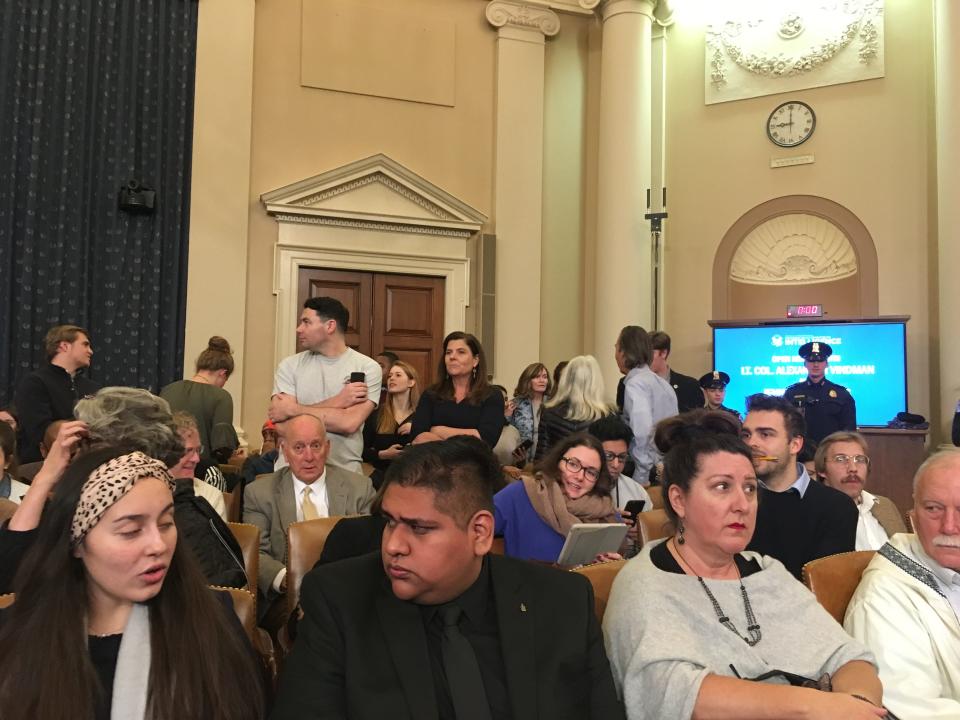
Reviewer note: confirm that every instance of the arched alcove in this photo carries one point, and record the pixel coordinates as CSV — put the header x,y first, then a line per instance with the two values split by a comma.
x,y
795,249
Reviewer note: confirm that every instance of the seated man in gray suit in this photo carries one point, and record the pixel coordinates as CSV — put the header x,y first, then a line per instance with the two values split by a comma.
x,y
307,489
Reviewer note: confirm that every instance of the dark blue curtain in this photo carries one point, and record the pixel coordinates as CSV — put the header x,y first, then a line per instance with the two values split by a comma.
x,y
94,94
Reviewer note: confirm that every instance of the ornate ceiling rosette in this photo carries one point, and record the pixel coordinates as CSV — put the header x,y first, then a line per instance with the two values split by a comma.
x,y
793,249
758,49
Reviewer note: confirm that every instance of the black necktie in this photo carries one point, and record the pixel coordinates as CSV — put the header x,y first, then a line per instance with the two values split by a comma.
x,y
463,672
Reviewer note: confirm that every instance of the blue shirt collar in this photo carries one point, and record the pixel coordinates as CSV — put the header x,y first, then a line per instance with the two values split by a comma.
x,y
802,482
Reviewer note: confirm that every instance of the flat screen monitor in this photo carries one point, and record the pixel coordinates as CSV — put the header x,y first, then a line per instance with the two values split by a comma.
x,y
869,359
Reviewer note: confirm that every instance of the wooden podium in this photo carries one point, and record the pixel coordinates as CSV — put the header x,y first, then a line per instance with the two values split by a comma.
x,y
895,456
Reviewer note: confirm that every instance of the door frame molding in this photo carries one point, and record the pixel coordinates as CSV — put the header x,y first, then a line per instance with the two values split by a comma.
x,y
371,215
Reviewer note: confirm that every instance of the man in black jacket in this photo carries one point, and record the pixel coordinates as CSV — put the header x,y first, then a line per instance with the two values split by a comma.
x,y
50,392
432,626
687,389
798,520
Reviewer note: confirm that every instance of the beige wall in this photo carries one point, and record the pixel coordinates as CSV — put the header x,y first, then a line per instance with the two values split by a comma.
x,y
871,146
299,132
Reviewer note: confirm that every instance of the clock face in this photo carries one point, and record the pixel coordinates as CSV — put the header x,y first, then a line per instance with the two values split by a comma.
x,y
791,123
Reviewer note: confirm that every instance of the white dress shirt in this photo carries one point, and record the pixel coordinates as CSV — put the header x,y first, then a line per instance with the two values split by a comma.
x,y
318,496
870,533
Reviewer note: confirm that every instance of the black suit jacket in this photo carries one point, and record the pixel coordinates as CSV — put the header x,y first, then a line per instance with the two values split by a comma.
x,y
362,653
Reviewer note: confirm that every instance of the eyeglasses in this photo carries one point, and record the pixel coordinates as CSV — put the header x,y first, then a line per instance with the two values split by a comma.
x,y
616,457
842,459
575,466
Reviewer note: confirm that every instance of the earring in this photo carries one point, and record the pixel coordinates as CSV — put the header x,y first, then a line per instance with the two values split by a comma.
x,y
679,538
474,373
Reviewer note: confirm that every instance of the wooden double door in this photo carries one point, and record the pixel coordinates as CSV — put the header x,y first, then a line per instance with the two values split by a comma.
x,y
399,313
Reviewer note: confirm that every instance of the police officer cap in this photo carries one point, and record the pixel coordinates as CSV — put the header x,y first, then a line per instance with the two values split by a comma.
x,y
815,351
716,380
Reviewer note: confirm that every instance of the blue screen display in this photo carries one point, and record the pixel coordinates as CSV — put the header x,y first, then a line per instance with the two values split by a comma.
x,y
869,359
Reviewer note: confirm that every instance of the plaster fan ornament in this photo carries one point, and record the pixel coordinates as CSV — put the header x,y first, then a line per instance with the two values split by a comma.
x,y
755,49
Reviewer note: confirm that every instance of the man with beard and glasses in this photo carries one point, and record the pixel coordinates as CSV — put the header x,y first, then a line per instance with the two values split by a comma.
x,y
843,463
907,605
797,520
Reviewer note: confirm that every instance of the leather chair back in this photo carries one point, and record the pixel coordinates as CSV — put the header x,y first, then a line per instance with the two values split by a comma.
x,y
601,576
233,502
248,537
653,525
7,600
305,542
498,546
7,509
656,496
833,579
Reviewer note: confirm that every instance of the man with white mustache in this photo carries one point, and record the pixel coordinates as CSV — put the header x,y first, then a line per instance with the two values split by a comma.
x,y
907,606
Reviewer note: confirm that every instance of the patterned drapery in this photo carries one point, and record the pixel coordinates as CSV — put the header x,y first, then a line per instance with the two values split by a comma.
x,y
95,93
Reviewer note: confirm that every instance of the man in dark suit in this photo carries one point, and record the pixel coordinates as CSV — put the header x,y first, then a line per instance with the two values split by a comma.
x,y
433,626
687,389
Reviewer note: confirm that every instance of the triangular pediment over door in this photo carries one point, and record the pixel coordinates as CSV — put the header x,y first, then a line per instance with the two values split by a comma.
x,y
373,215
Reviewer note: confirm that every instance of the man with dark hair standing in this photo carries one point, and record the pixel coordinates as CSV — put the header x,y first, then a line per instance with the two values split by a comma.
x,y
797,520
433,626
324,380
687,389
50,392
826,406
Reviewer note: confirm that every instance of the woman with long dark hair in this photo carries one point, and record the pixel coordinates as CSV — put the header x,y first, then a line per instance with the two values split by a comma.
x,y
112,618
461,402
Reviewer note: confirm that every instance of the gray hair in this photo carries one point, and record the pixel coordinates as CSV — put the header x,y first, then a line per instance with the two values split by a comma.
x,y
943,457
131,418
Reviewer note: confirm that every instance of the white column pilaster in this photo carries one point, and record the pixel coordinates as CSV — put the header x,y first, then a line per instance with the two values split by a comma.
x,y
623,176
947,29
518,178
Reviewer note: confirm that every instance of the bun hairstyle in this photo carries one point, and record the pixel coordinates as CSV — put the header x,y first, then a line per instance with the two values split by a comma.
x,y
217,356
684,439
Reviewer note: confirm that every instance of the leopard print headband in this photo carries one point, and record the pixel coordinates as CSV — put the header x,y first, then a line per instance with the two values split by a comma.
x,y
110,482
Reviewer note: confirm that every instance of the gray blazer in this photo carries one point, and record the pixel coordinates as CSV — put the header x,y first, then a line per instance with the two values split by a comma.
x,y
269,503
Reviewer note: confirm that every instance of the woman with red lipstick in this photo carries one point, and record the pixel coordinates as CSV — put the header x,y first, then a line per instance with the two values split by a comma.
x,y
697,627
571,485
111,614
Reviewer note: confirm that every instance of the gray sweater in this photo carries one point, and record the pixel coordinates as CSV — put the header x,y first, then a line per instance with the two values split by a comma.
x,y
663,637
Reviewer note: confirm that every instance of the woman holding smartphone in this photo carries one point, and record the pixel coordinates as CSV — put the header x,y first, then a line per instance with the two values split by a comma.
x,y
387,431
523,412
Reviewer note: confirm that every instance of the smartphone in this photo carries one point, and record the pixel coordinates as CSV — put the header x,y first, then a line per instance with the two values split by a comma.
x,y
358,377
635,507
524,446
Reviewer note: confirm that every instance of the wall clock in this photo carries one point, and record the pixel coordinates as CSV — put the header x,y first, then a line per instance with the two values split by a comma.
x,y
791,123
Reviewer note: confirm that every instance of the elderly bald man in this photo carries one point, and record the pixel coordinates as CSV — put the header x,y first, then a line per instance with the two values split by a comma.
x,y
907,606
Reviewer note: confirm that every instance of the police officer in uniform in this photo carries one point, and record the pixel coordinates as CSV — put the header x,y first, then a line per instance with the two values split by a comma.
x,y
714,387
827,407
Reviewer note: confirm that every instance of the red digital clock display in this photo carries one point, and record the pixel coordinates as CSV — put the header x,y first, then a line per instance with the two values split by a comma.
x,y
804,311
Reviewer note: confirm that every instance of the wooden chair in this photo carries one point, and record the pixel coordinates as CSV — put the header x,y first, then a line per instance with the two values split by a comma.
x,y
248,537
7,509
233,501
653,525
656,496
305,542
833,579
601,576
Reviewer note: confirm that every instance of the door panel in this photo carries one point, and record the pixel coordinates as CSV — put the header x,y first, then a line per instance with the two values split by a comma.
x,y
400,313
353,289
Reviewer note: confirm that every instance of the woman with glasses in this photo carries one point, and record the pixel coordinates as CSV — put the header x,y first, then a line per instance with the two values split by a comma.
x,y
843,463
698,628
570,485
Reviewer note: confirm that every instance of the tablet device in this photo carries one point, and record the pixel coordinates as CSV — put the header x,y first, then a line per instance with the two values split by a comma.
x,y
586,540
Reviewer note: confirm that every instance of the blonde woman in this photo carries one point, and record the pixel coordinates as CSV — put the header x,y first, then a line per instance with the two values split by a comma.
x,y
578,401
387,431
